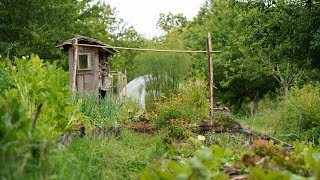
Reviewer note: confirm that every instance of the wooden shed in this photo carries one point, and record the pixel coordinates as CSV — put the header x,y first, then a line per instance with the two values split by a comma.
x,y
88,65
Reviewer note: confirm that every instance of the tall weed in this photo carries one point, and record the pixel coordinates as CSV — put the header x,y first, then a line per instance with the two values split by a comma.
x,y
44,84
105,158
34,110
296,116
302,113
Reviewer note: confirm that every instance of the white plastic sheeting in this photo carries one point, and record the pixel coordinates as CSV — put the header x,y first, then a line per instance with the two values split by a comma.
x,y
136,90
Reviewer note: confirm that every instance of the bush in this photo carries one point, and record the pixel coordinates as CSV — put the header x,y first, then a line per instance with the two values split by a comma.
x,y
37,94
296,116
44,84
14,128
182,111
5,80
225,120
302,113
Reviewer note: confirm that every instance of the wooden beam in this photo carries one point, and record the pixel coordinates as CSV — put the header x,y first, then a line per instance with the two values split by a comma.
x,y
211,80
75,63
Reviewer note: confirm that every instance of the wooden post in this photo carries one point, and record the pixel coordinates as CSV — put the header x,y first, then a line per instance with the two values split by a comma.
x,y
75,63
119,86
125,83
211,80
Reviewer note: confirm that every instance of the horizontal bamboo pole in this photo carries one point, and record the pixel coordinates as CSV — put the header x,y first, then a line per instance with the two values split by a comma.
x,y
163,50
153,50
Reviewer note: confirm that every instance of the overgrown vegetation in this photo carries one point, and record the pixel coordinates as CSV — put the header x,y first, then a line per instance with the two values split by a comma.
x,y
210,163
295,117
29,134
267,72
122,157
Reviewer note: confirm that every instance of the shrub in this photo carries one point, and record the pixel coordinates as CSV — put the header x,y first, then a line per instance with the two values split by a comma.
x,y
225,120
37,94
5,80
183,110
43,84
302,113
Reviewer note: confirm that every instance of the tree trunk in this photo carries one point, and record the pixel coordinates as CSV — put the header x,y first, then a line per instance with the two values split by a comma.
x,y
255,102
309,4
286,89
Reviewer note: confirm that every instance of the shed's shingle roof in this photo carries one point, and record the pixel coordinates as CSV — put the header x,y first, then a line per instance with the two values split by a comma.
x,y
83,40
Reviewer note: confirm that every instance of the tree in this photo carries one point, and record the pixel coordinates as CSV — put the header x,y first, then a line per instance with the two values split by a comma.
x,y
169,22
287,77
254,37
37,26
165,70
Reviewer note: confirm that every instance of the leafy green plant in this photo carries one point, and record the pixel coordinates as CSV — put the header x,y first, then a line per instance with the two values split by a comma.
x,y
302,115
181,112
46,85
5,80
258,161
14,128
34,110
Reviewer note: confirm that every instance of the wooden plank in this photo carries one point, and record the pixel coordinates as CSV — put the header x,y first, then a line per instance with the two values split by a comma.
x,y
75,63
71,67
94,60
80,83
88,81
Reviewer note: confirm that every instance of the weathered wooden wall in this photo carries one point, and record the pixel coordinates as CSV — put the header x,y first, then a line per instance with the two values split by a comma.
x,y
87,80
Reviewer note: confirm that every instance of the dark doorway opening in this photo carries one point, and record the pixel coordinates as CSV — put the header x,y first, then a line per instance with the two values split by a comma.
x,y
102,94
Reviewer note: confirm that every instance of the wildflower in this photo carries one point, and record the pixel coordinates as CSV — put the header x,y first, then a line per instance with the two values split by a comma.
x,y
201,138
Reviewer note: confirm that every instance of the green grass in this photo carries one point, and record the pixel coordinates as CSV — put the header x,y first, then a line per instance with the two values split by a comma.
x,y
105,158
268,120
265,123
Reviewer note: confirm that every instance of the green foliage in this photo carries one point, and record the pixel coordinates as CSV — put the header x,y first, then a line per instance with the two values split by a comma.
x,y
107,112
5,81
99,112
125,60
43,83
169,22
33,26
25,136
23,152
13,118
290,118
166,70
253,38
225,120
98,158
267,120
199,167
257,161
15,125
301,115
182,111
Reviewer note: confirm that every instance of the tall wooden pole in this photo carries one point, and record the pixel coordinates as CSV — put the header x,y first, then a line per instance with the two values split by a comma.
x,y
75,63
211,80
